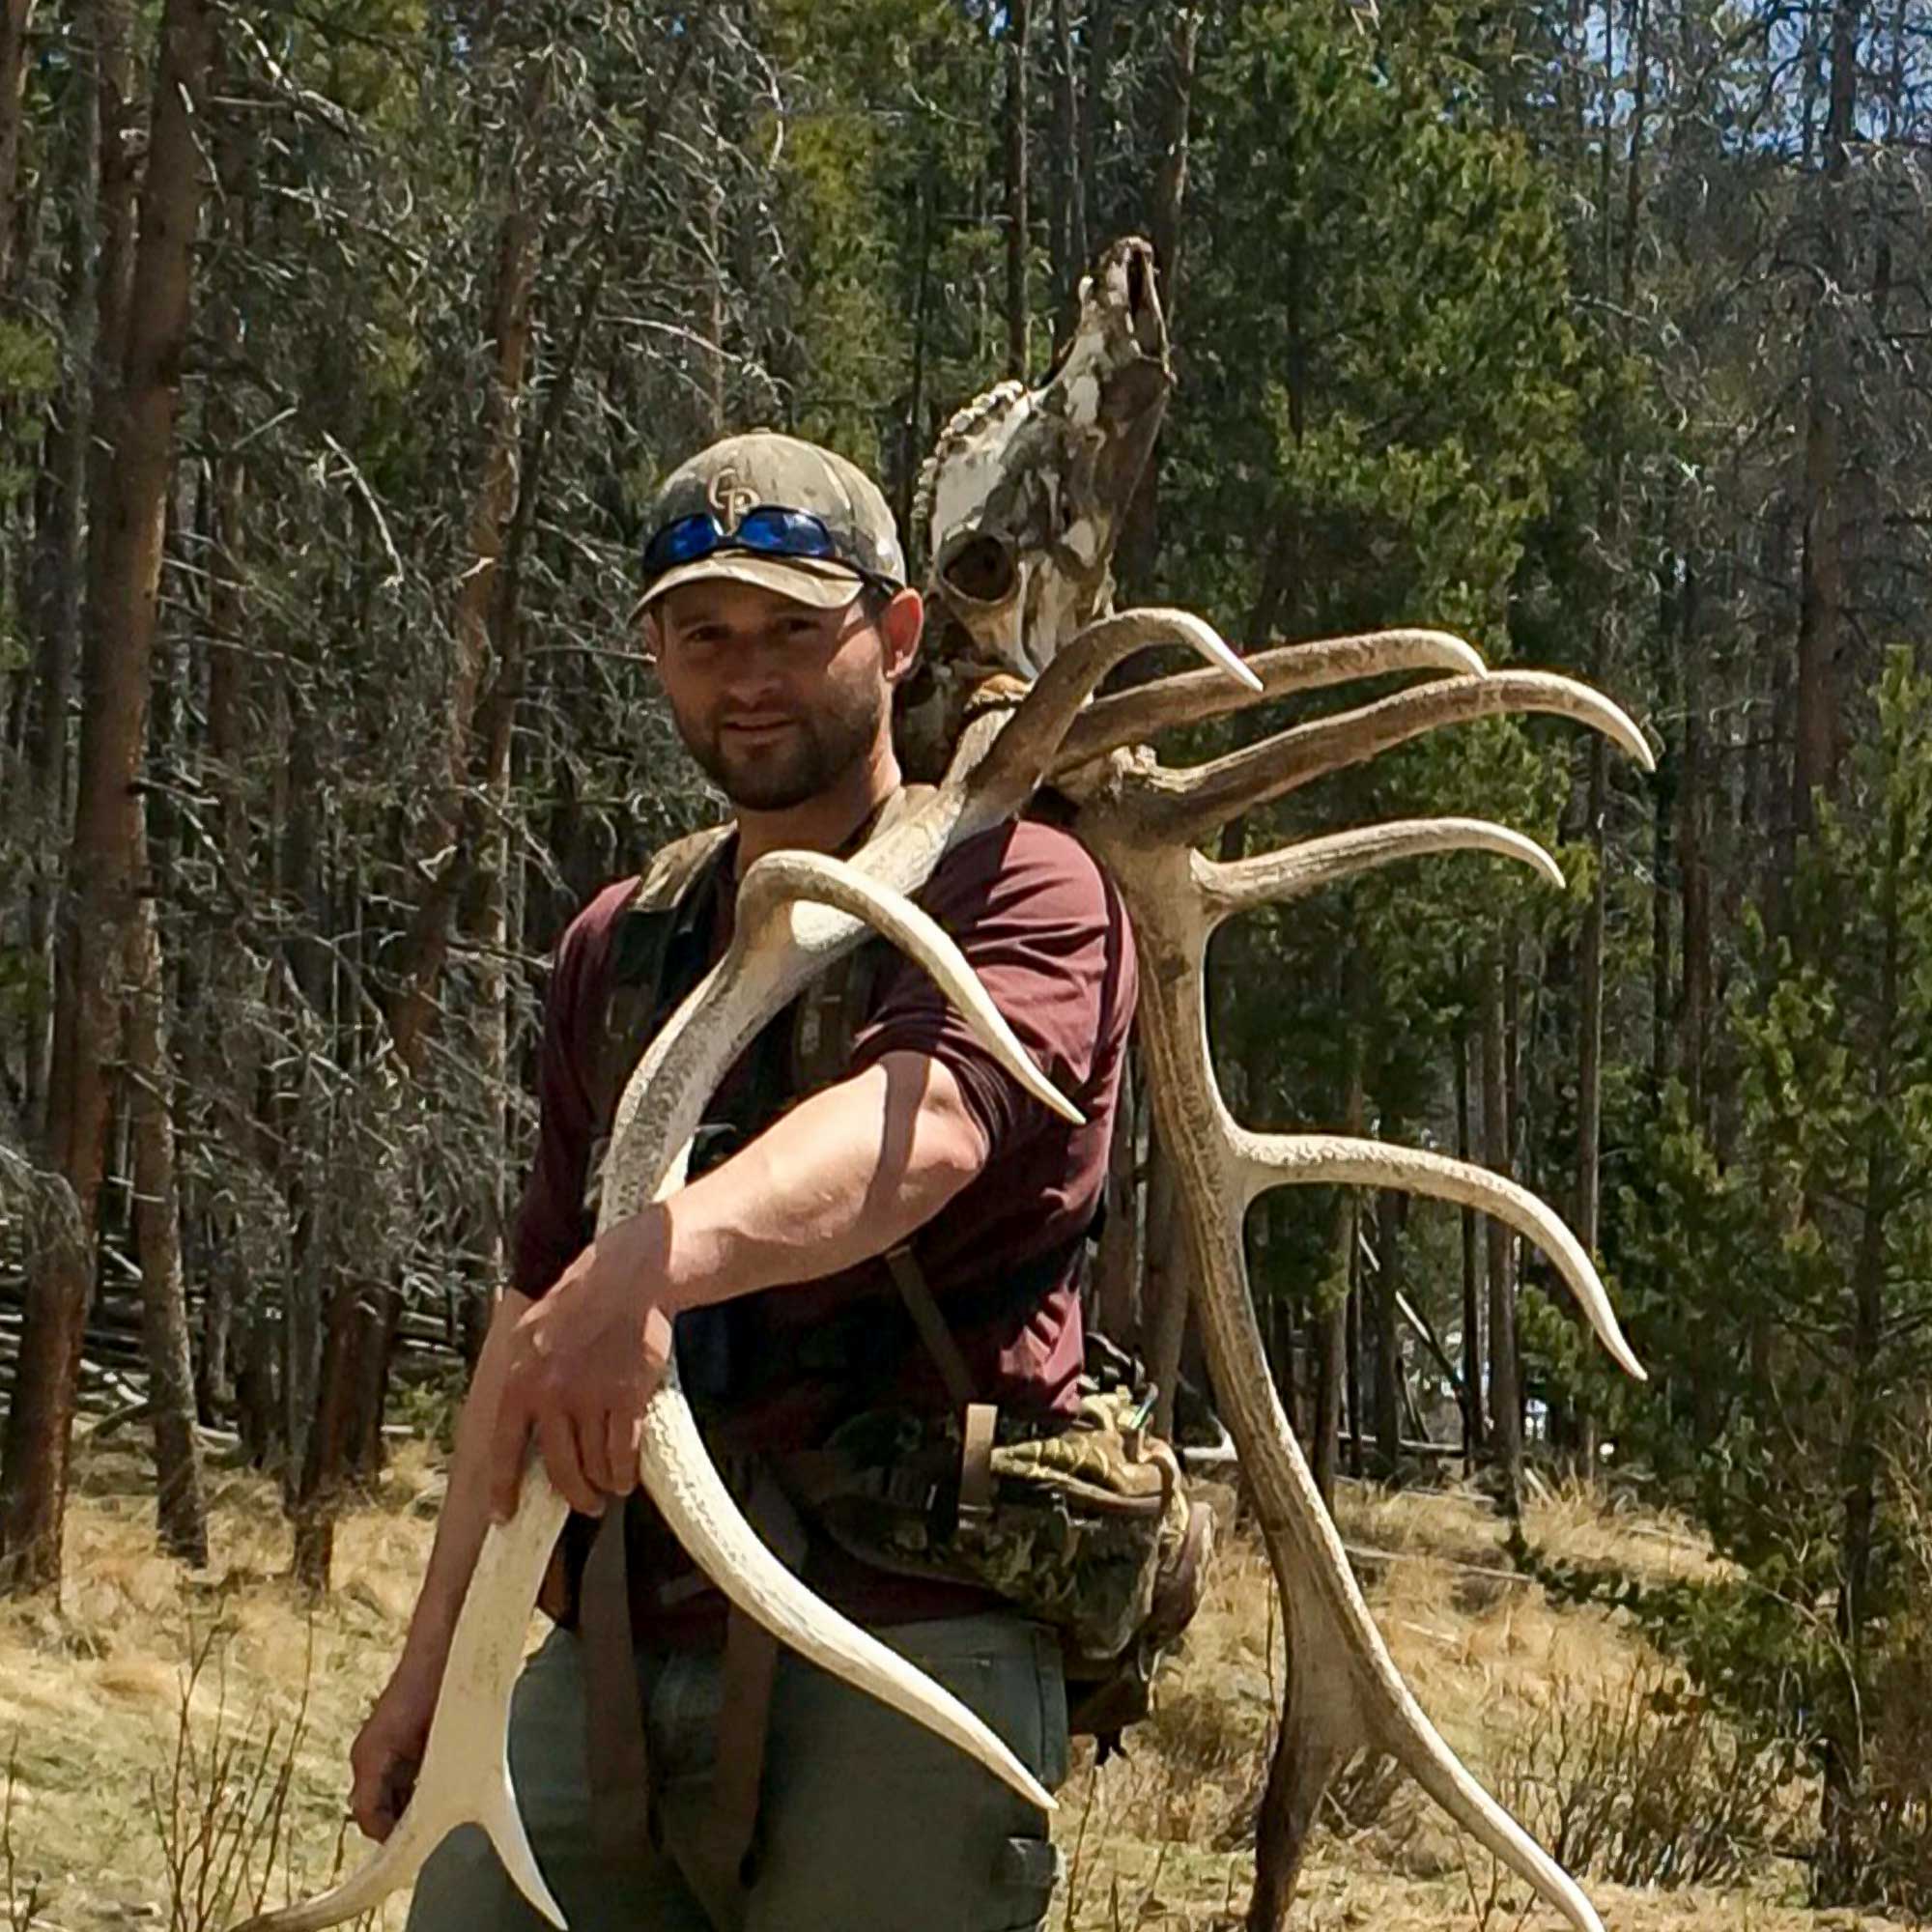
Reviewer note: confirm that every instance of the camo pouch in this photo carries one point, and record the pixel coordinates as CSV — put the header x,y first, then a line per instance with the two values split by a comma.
x,y
1084,1525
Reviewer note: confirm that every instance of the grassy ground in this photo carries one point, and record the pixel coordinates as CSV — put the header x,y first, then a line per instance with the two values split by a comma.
x,y
119,1812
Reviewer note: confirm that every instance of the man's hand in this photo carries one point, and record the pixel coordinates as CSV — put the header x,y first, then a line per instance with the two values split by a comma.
x,y
388,1753
584,1362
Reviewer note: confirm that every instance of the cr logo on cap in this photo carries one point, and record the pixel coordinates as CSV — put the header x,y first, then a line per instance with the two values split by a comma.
x,y
730,500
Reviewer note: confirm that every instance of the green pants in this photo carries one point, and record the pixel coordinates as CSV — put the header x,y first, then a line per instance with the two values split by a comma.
x,y
869,1822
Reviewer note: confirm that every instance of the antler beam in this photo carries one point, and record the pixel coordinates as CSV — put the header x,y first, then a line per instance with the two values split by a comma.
x,y
1188,807
1344,1695
1191,698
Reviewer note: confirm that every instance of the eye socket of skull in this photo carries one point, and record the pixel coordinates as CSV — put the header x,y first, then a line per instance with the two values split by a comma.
x,y
981,569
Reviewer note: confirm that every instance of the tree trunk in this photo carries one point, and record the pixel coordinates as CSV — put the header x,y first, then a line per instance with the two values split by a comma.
x,y
351,1321
1505,1395
257,1398
58,588
1067,226
913,441
1842,1801
509,324
1388,1331
1101,20
227,1032
1473,1433
1352,1348
1332,1313
15,18
1821,618
103,873
1694,867
1142,538
1168,203
180,1497
119,183
1018,235
303,1117
1590,1009
714,288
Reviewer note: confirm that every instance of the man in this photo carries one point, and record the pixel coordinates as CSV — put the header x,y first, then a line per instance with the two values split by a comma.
x,y
834,1222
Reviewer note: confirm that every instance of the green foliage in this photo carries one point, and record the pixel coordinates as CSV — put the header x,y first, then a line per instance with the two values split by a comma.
x,y
1780,1286
1388,277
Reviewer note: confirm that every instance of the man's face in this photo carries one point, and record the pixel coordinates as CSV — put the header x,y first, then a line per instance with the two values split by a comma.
x,y
778,700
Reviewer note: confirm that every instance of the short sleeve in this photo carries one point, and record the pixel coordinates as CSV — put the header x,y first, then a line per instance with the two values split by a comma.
x,y
1043,928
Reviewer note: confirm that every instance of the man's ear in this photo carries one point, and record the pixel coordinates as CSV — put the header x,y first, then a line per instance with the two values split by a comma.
x,y
900,624
650,636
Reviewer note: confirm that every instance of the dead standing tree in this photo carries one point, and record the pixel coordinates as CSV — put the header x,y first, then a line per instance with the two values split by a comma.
x,y
1022,504
486,688
104,921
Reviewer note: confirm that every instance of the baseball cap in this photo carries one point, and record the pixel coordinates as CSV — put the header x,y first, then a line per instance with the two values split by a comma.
x,y
766,469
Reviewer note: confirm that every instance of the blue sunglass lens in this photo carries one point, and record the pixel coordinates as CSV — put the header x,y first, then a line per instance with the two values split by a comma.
x,y
682,542
783,533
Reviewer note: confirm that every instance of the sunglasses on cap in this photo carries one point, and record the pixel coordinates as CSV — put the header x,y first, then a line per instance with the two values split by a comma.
x,y
768,531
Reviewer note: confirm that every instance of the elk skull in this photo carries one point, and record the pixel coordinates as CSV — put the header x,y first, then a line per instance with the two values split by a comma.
x,y
1019,508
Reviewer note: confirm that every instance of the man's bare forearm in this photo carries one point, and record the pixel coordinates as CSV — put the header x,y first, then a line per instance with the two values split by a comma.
x,y
844,1176
464,1515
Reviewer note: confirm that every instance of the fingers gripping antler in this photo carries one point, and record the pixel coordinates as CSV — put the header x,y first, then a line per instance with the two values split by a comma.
x,y
1344,1694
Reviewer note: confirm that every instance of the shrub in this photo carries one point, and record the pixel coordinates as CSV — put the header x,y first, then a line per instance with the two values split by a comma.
x,y
1643,1782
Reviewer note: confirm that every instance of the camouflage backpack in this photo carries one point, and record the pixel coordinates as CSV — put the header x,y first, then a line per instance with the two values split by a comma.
x,y
1086,1525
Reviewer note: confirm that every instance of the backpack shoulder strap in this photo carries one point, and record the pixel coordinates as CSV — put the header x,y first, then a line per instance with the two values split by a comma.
x,y
639,946
662,883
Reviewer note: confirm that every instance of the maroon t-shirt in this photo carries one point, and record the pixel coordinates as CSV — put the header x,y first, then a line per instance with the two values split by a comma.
x,y
1047,935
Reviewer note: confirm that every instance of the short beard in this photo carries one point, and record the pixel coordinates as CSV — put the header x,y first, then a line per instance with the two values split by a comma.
x,y
816,754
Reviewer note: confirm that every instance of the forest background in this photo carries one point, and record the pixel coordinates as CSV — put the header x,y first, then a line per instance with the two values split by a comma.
x,y
342,342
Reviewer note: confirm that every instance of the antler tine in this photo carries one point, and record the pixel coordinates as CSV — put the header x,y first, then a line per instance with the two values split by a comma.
x,y
465,1778
1190,698
1287,874
1292,1160
1343,1693
1028,749
810,881
1189,806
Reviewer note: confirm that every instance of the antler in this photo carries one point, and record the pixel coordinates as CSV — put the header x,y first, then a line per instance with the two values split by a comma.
x,y
1134,717
1185,807
1344,1695
797,912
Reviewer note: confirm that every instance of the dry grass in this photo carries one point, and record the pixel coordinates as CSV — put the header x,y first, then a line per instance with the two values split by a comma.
x,y
91,1702
92,1697
1158,1840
